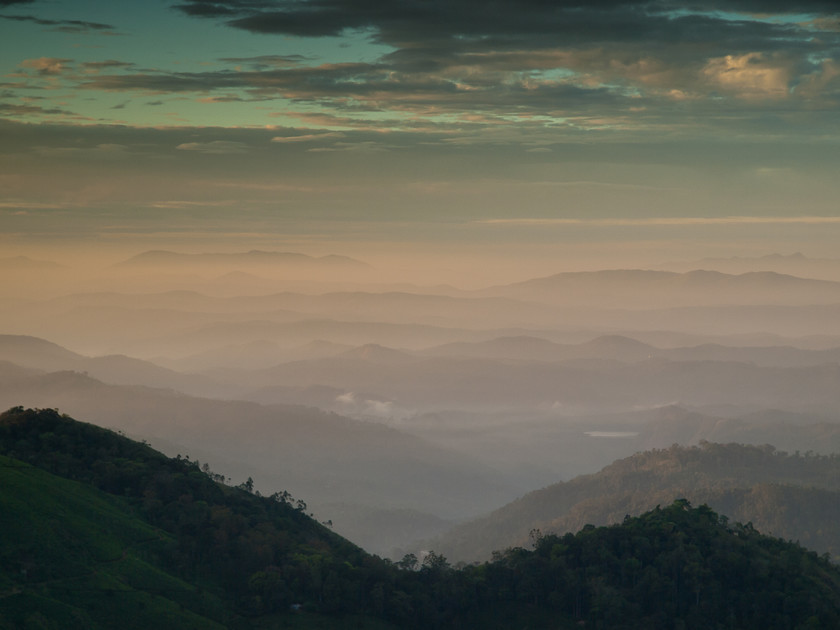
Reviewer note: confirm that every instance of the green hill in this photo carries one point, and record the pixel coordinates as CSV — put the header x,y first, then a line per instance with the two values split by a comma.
x,y
104,520
100,531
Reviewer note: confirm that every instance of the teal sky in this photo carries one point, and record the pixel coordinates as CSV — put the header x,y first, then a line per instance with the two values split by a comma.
x,y
559,132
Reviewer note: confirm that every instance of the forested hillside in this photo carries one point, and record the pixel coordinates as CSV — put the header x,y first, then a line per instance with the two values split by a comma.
x,y
791,495
249,555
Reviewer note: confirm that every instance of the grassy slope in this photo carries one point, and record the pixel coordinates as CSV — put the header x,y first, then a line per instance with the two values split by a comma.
x,y
78,558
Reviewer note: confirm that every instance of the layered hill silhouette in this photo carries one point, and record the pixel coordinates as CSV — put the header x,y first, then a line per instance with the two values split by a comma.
x,y
177,324
101,531
792,496
641,288
623,348
795,264
40,354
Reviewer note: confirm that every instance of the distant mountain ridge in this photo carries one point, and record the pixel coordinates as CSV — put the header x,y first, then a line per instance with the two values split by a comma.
x,y
649,288
794,264
41,354
623,348
377,353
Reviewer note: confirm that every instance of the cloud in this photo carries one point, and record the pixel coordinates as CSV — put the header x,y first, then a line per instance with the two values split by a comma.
x,y
360,147
65,26
97,66
510,22
30,205
47,65
825,24
183,205
8,109
566,67
222,9
366,87
616,66
823,83
309,137
104,150
380,408
216,147
369,407
266,61
750,75
664,221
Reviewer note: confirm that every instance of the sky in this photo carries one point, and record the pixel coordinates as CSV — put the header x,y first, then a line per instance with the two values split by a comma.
x,y
557,134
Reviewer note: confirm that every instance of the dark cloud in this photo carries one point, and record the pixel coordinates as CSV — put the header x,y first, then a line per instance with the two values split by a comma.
x,y
350,80
210,8
108,63
602,64
267,61
74,26
447,43
601,87
768,6
400,22
9,109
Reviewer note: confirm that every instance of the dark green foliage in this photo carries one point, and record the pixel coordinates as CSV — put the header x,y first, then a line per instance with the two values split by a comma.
x,y
160,542
675,567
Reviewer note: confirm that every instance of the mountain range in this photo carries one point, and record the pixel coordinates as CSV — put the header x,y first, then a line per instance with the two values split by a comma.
x,y
640,288
795,264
